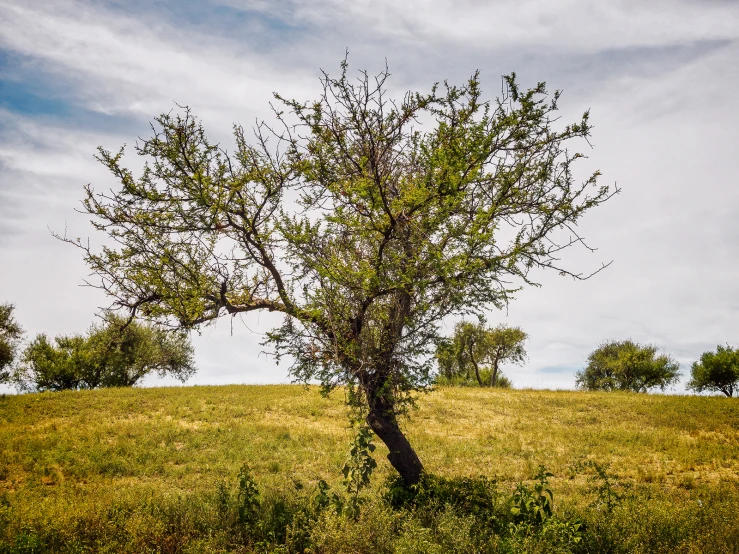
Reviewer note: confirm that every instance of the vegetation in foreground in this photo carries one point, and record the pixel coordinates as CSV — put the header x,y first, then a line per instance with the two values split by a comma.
x,y
258,469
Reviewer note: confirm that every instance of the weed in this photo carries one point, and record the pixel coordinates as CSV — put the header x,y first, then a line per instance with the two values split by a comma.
x,y
248,497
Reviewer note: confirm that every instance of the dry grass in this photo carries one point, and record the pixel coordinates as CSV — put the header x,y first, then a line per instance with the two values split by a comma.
x,y
189,437
90,450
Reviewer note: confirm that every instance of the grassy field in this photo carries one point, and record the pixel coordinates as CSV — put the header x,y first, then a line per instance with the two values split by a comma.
x,y
155,470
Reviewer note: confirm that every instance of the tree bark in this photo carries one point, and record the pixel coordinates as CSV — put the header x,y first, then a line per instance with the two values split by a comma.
x,y
383,421
494,375
477,369
401,456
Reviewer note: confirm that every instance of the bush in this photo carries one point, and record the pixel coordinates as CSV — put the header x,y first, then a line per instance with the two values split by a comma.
x,y
461,380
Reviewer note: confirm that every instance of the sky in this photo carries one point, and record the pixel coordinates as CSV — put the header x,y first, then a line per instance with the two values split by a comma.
x,y
660,79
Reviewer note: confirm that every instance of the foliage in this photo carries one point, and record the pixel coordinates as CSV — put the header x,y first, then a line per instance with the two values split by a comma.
x,y
65,364
359,467
627,366
474,496
533,507
115,354
460,380
248,497
475,347
361,226
716,372
10,336
608,488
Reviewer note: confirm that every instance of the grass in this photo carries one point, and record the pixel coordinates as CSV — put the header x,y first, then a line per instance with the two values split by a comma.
x,y
135,470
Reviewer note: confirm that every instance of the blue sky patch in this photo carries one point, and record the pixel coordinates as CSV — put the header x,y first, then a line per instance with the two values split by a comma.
x,y
18,97
558,370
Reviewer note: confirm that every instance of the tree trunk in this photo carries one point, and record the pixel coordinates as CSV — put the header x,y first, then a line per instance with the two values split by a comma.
x,y
477,369
402,456
382,420
494,375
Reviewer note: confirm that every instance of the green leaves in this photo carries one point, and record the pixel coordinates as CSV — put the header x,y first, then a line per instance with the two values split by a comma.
x,y
362,225
716,371
533,507
475,349
11,334
625,365
117,354
358,468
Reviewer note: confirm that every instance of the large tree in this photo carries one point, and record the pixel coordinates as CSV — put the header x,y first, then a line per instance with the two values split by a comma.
x,y
716,371
476,347
628,366
364,220
11,334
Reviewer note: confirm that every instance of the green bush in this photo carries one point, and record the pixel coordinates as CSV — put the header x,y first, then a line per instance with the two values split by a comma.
x,y
461,380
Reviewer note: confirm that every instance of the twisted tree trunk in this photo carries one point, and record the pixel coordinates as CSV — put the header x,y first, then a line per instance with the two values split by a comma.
x,y
401,456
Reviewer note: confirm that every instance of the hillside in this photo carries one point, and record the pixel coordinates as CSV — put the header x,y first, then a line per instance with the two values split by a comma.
x,y
67,458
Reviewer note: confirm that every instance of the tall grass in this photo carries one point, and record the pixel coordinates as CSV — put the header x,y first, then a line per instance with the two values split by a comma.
x,y
156,470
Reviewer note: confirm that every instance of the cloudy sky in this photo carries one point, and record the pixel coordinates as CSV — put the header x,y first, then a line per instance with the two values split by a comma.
x,y
660,78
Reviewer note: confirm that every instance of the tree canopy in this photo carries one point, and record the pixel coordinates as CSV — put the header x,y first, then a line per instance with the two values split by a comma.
x,y
363,219
115,354
477,350
10,336
627,366
716,371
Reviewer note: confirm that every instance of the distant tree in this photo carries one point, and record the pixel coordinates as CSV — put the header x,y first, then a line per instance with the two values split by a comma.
x,y
10,336
110,355
362,227
130,352
482,350
61,364
625,365
717,371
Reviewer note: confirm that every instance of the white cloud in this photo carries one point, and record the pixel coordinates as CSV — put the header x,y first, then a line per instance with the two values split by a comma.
x,y
660,79
570,25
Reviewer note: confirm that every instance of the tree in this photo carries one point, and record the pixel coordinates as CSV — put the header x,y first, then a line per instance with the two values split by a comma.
x,y
716,372
362,229
10,336
116,354
625,365
476,347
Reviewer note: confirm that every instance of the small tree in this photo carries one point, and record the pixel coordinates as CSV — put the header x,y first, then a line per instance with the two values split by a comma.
x,y
363,230
625,365
10,336
476,348
61,364
131,351
115,354
717,371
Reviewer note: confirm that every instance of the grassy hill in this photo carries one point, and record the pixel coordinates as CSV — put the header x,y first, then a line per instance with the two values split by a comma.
x,y
137,470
